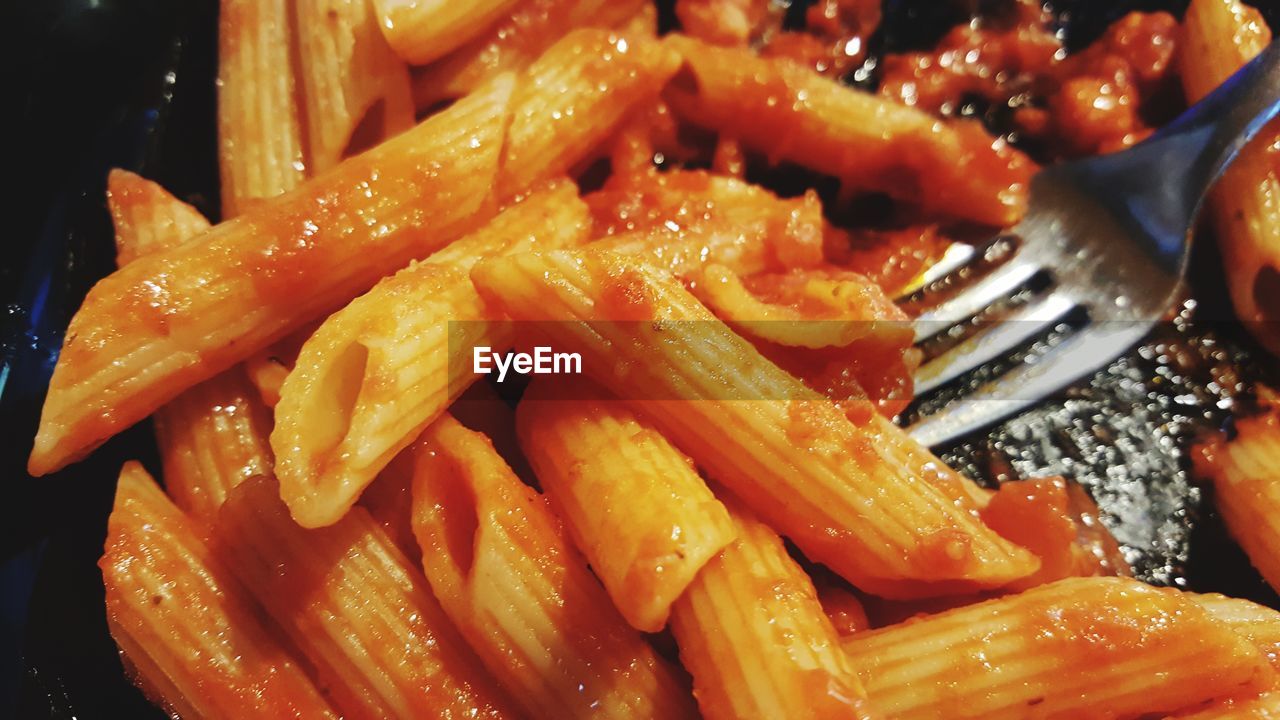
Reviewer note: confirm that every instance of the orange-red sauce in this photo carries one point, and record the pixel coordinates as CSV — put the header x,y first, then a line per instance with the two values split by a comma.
x,y
1094,101
835,37
1056,520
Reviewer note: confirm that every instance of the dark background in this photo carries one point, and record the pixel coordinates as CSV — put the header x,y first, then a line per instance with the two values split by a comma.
x,y
92,84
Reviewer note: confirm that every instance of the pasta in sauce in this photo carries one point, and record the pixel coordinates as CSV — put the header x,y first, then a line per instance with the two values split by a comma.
x,y
717,221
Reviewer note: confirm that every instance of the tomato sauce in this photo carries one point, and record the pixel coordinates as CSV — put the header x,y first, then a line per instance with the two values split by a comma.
x,y
626,296
1095,101
835,38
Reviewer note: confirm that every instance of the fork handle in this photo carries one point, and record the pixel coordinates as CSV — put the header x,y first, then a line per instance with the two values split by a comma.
x,y
1214,130
1180,163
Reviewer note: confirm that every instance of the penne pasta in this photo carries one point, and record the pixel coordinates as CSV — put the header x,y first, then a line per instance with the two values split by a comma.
x,y
214,435
381,369
854,497
810,309
514,42
267,371
643,20
1082,647
354,605
871,374
1221,36
759,263
1258,624
172,319
677,205
788,112
505,572
163,324
1265,706
641,143
268,368
389,503
634,505
260,127
188,632
729,22
1246,485
421,31
570,100
146,217
356,90
754,636
260,147
682,220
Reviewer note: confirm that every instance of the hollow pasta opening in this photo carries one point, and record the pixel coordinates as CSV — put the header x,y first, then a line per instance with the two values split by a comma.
x,y
334,406
459,518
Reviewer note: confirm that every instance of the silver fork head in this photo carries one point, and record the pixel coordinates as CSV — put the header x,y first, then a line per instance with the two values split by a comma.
x,y
1095,262
1111,235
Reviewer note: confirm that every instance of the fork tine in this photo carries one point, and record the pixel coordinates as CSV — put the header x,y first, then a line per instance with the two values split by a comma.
x,y
1083,354
994,341
957,255
999,283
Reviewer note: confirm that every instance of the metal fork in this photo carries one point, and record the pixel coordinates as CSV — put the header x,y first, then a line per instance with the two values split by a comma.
x,y
1108,238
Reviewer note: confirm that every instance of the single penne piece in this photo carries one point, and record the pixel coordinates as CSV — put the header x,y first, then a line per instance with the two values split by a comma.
x,y
576,93
355,90
754,636
381,369
370,379
358,610
1245,472
170,601
505,571
260,149
1221,36
172,319
424,30
514,42
214,435
788,112
635,505
1081,647
854,497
